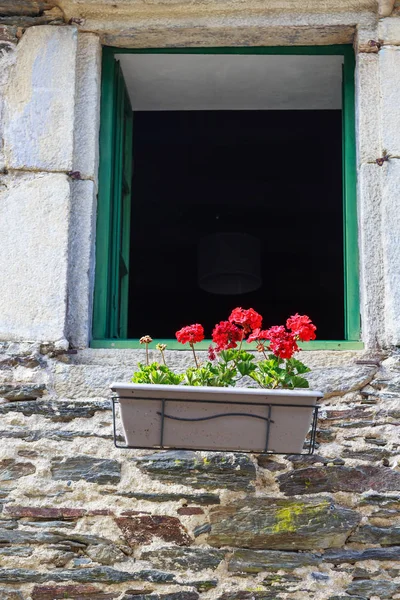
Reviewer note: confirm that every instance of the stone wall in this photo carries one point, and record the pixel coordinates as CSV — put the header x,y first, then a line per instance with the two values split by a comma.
x,y
83,520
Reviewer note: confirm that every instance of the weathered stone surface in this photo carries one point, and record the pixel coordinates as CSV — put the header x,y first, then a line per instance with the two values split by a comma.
x,y
249,595
265,461
93,470
381,500
49,524
256,561
339,381
82,238
141,529
30,361
44,53
201,529
367,454
42,512
385,536
8,524
73,592
376,588
22,391
87,106
88,574
301,461
31,8
370,242
390,202
195,559
339,479
58,411
10,594
216,470
34,207
190,511
367,83
62,435
105,554
171,596
203,499
11,469
16,551
281,524
353,556
67,538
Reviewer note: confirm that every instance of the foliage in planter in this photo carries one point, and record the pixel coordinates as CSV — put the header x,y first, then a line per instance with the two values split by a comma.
x,y
228,362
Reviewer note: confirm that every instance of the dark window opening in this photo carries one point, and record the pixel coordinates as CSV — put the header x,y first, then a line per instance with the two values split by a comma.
x,y
272,175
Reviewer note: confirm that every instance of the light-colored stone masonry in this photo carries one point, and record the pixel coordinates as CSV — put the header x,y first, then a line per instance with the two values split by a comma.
x,y
50,116
83,520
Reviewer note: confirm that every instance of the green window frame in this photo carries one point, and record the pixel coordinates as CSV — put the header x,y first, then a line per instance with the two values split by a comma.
x,y
112,236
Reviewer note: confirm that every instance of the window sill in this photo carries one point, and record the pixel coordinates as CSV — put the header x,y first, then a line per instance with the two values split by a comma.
x,y
175,345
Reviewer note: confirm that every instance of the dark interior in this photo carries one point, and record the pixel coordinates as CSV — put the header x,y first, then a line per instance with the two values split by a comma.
x,y
276,175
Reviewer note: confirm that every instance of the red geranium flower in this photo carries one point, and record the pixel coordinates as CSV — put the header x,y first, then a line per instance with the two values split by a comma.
x,y
258,334
211,352
302,327
225,335
249,319
282,343
190,334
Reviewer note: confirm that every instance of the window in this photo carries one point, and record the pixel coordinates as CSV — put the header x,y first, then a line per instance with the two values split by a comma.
x,y
247,148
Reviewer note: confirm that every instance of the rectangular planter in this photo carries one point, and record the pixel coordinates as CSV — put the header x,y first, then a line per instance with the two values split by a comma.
x,y
219,419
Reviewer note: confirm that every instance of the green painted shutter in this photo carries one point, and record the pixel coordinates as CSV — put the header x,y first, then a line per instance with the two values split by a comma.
x,y
112,258
349,175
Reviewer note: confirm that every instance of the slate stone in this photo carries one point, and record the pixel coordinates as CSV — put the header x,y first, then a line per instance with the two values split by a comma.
x,y
379,587
202,499
19,536
105,554
349,414
203,586
9,524
338,557
29,362
385,536
256,561
336,381
215,470
26,391
72,592
92,470
391,501
34,435
249,595
57,410
141,529
339,479
195,559
281,524
265,461
49,524
171,596
320,576
10,594
86,575
190,511
201,529
10,469
16,551
44,512
301,461
367,454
